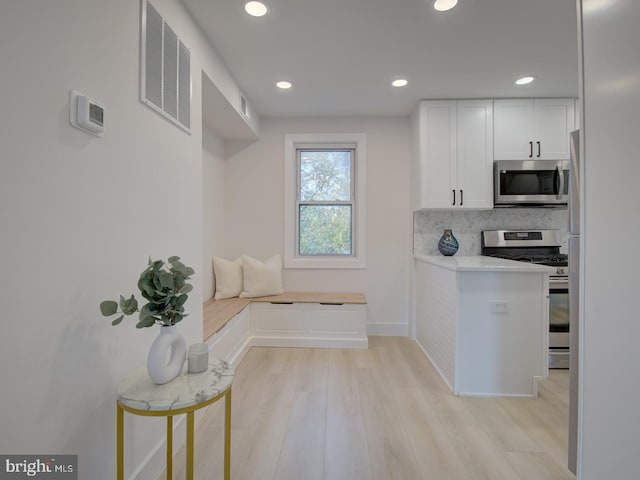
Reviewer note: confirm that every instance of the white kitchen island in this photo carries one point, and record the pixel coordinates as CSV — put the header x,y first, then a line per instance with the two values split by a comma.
x,y
484,322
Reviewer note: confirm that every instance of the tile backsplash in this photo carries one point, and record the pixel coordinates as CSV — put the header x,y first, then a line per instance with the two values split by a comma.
x,y
428,226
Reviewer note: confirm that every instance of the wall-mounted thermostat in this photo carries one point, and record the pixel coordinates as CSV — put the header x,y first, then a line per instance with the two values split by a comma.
x,y
86,114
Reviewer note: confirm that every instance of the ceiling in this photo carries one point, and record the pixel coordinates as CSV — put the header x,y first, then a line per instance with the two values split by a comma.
x,y
341,55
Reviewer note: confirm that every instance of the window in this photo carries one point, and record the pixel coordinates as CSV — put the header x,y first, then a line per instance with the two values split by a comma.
x,y
324,205
324,191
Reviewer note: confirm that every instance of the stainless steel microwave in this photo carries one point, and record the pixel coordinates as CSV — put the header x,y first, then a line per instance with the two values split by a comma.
x,y
531,183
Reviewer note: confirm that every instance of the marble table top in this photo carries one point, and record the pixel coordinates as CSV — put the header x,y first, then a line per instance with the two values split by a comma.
x,y
186,390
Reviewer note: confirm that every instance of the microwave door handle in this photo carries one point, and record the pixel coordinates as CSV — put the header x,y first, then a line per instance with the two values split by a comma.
x,y
559,180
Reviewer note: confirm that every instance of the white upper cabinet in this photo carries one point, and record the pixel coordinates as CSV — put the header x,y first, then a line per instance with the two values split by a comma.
x,y
453,154
536,129
475,153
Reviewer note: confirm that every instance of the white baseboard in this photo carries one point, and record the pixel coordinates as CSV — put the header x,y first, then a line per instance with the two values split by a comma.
x,y
301,342
381,329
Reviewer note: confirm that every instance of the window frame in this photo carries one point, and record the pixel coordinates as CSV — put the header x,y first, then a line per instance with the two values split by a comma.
x,y
294,142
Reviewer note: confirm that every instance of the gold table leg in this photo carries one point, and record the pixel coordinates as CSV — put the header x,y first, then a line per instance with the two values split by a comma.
x,y
120,442
227,435
190,416
169,447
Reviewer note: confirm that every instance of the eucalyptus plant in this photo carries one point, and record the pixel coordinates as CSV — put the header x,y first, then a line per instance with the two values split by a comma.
x,y
164,286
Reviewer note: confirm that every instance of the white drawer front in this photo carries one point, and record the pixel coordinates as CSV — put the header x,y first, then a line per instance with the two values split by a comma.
x,y
278,321
333,321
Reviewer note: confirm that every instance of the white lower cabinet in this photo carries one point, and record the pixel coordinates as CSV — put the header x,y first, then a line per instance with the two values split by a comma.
x,y
486,332
308,325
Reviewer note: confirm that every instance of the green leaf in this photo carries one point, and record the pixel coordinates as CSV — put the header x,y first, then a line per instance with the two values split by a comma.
x,y
117,320
145,284
130,306
166,280
190,271
181,299
108,307
156,283
173,259
147,321
186,289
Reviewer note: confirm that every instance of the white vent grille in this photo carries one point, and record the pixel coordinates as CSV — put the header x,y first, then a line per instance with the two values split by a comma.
x,y
165,83
184,85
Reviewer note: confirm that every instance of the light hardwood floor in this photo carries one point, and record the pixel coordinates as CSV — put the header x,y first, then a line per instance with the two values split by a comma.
x,y
381,414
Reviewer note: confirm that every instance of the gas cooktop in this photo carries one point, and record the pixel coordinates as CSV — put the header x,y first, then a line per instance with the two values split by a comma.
x,y
551,259
533,246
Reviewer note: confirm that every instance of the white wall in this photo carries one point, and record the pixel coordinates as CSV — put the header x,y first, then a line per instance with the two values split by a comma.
x,y
213,212
255,213
81,215
611,322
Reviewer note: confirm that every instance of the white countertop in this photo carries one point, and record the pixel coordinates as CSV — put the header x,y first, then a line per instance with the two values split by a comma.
x,y
481,263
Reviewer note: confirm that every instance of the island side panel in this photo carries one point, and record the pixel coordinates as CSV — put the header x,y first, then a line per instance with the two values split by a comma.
x,y
436,312
502,326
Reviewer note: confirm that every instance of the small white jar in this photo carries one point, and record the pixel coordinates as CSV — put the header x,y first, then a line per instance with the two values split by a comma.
x,y
198,358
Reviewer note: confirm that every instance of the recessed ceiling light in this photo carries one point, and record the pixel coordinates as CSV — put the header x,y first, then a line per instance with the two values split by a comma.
x,y
284,85
256,8
525,80
444,5
400,82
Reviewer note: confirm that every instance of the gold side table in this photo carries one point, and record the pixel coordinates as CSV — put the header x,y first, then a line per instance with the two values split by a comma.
x,y
186,393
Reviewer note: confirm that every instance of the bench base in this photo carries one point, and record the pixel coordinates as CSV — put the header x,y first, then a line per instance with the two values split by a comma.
x,y
314,325
288,320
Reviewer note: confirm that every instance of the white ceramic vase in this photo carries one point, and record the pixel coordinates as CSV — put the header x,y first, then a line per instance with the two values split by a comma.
x,y
160,370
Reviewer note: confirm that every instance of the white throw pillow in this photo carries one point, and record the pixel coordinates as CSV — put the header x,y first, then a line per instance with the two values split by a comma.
x,y
261,278
228,277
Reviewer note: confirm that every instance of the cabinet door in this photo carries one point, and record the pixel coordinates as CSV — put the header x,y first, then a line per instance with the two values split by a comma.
x,y
475,154
438,154
553,122
513,129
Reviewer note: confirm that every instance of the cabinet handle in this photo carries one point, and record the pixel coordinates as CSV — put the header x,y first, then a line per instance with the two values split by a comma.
x,y
454,197
538,149
530,149
461,198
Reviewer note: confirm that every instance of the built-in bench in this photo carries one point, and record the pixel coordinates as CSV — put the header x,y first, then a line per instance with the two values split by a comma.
x,y
292,319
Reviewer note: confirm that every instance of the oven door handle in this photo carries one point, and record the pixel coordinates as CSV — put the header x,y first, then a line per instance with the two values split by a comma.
x,y
558,284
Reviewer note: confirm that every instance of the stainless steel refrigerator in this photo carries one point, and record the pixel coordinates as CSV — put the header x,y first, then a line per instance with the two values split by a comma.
x,y
574,294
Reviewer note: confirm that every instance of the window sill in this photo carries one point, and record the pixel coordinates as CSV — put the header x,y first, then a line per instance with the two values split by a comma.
x,y
353,263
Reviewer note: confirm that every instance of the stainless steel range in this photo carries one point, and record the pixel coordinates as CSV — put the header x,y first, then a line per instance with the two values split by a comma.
x,y
541,247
